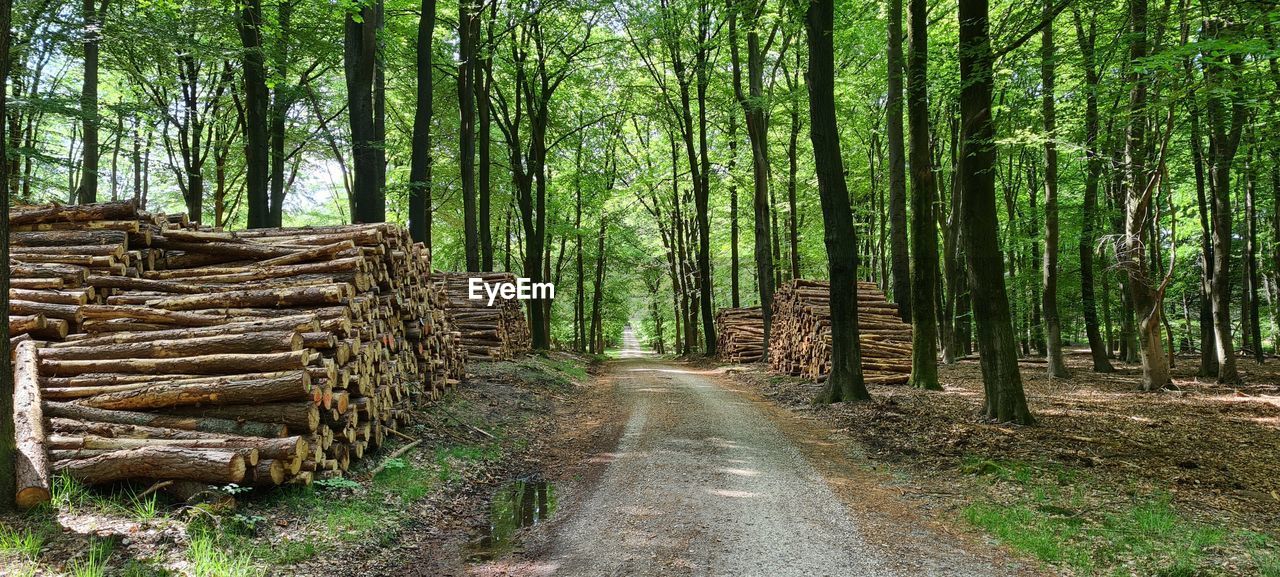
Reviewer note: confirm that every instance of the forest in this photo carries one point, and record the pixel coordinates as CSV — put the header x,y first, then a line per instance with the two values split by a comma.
x,y
248,226
1018,179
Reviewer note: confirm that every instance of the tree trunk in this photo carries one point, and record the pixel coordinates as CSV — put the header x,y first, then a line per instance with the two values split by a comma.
x,y
1226,116
420,155
924,232
1052,321
281,101
256,97
1093,174
735,293
359,52
467,26
1005,400
483,86
88,191
597,297
757,134
900,265
1145,295
1251,280
845,382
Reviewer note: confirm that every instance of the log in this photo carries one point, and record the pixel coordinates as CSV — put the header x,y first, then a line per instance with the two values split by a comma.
x,y
24,215
32,462
219,364
231,426
246,343
204,465
235,389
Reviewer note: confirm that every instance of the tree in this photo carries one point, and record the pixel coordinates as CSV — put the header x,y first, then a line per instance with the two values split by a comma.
x,y
924,232
997,349
899,263
255,102
359,55
1226,115
1144,293
8,445
1049,268
540,62
468,30
1089,209
420,161
753,107
88,191
845,383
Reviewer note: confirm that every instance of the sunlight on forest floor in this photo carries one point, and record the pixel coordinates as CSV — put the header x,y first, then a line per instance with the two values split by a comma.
x,y
1110,480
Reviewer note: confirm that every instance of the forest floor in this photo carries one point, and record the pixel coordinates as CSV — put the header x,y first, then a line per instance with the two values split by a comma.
x,y
1110,481
421,514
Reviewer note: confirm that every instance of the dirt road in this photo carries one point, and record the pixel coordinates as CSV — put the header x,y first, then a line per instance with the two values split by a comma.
x,y
703,481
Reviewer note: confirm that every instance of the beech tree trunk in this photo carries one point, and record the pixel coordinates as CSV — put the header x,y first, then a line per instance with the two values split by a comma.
x,y
845,382
255,104
924,232
1226,117
420,160
758,134
1144,293
1049,294
1089,210
467,26
359,57
899,263
997,347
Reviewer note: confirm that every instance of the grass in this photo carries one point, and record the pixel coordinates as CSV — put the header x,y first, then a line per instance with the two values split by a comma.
x,y
143,568
401,479
24,543
94,564
211,558
1049,518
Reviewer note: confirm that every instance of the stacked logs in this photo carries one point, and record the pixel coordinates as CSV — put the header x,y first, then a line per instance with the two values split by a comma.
x,y
740,334
496,332
258,357
800,338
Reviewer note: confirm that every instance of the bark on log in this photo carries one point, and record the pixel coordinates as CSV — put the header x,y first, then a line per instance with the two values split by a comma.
x,y
32,461
204,465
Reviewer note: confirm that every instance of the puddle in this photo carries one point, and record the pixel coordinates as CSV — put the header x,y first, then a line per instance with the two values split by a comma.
x,y
516,505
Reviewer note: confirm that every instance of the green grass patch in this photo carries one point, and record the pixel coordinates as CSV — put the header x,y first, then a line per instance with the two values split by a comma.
x,y
143,568
1049,518
406,481
94,563
288,552
212,556
24,543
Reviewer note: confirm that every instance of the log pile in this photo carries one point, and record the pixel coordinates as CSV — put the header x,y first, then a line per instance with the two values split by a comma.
x,y
496,332
740,334
800,339
256,357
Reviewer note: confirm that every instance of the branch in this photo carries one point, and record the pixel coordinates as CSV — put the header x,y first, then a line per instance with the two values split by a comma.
x,y
1044,22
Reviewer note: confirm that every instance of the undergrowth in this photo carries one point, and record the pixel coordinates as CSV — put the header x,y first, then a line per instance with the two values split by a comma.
x,y
1047,511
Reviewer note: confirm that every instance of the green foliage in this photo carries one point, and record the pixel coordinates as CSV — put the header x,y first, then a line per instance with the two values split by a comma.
x,y
1050,518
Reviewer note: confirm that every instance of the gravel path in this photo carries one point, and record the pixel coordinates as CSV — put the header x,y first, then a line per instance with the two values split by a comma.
x,y
703,482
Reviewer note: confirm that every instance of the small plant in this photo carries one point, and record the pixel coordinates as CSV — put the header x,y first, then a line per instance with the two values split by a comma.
x,y
95,563
68,493
144,509
338,484
21,542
